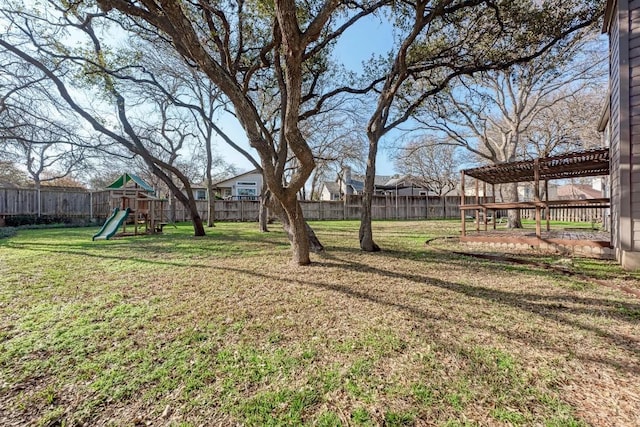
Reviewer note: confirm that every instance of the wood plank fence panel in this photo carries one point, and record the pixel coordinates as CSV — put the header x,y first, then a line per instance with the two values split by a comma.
x,y
98,205
19,201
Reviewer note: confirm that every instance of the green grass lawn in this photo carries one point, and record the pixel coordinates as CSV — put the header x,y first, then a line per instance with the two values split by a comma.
x,y
223,330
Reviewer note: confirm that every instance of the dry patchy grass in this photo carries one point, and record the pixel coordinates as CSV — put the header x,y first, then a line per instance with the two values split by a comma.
x,y
222,330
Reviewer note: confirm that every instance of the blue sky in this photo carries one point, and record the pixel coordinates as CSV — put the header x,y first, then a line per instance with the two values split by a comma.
x,y
356,45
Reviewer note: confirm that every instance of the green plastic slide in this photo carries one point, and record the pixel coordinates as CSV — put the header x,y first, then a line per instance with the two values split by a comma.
x,y
113,223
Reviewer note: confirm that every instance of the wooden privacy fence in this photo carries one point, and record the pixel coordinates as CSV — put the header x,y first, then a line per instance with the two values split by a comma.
x,y
70,204
83,204
383,207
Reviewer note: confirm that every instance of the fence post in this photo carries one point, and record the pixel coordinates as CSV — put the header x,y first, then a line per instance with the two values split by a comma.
x,y
344,207
427,206
407,208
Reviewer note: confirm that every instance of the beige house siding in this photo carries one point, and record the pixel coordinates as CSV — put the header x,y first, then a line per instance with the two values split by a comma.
x,y
327,195
248,185
622,23
614,123
634,119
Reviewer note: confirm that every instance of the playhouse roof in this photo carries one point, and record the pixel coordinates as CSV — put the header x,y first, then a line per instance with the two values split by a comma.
x,y
127,177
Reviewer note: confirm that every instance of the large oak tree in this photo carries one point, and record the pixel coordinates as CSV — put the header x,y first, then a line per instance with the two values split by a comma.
x,y
241,45
439,41
498,114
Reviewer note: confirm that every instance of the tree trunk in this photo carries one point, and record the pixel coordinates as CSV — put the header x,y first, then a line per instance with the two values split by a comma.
x,y
211,205
172,207
198,227
513,215
444,206
263,218
190,203
366,232
296,229
38,186
196,219
313,243
263,215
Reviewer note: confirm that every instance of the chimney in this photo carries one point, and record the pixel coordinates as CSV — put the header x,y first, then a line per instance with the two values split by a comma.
x,y
346,179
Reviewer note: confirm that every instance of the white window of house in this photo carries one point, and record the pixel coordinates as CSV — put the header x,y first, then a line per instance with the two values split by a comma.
x,y
247,189
423,193
201,194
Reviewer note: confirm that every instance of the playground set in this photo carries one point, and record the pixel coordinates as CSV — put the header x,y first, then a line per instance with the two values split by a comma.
x,y
133,202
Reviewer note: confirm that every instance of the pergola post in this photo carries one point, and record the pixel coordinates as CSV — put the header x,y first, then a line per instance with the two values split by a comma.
x,y
484,201
546,203
493,193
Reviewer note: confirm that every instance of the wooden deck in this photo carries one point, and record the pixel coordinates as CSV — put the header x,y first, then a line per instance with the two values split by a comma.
x,y
581,242
572,237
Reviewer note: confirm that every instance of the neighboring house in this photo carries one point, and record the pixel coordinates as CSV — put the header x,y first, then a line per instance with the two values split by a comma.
x,y
383,185
246,186
199,191
405,185
344,185
620,124
331,191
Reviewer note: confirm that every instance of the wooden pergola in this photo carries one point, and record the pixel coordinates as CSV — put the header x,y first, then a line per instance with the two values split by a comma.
x,y
539,171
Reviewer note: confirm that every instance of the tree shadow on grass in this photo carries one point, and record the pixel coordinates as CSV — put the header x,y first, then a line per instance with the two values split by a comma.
x,y
615,308
527,302
526,264
551,307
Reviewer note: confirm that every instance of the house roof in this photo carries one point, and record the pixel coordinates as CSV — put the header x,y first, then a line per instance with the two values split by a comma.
x,y
570,165
357,186
127,177
333,187
224,181
573,190
201,186
358,181
381,179
381,182
400,182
